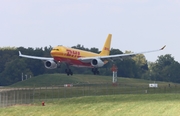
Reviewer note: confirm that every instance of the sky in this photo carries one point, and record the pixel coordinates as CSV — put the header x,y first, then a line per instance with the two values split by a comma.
x,y
135,25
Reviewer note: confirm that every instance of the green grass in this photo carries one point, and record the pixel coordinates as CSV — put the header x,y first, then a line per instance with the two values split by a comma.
x,y
112,105
99,98
61,79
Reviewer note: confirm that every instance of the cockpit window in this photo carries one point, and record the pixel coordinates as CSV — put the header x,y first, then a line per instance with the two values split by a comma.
x,y
56,49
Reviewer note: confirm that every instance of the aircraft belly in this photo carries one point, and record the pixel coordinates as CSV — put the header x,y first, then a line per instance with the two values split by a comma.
x,y
73,62
83,66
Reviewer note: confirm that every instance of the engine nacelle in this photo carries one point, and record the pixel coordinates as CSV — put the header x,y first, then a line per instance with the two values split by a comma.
x,y
97,63
50,64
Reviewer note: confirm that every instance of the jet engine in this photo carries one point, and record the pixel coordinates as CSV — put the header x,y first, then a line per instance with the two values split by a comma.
x,y
97,63
50,64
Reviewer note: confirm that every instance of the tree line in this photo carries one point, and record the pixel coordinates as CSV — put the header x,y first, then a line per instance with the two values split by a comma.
x,y
165,68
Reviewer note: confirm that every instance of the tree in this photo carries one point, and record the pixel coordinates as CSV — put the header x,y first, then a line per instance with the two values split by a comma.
x,y
127,68
166,69
13,71
95,50
78,46
141,64
115,51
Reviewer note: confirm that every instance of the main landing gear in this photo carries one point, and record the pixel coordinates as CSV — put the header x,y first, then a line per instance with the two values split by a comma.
x,y
68,72
95,71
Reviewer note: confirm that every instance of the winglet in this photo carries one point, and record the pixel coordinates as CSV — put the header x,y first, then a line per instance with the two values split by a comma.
x,y
163,47
20,53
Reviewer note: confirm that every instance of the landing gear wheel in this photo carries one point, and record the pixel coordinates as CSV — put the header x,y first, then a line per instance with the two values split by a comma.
x,y
71,73
95,71
68,72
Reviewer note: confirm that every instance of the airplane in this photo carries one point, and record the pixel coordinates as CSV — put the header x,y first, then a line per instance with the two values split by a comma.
x,y
81,58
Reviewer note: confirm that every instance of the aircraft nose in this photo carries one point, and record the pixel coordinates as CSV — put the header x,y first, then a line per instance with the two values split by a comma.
x,y
53,52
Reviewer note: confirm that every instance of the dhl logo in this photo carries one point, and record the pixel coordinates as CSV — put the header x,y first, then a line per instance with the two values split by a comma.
x,y
106,49
72,53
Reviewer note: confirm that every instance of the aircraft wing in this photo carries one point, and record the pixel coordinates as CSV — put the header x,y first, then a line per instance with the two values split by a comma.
x,y
35,57
118,56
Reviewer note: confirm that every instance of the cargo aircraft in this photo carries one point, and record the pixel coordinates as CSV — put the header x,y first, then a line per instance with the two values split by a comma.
x,y
81,58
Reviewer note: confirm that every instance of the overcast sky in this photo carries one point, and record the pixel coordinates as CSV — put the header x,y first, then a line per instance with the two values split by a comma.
x,y
135,25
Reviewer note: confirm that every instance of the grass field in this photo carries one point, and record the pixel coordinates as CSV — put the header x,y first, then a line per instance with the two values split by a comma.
x,y
110,105
61,79
93,96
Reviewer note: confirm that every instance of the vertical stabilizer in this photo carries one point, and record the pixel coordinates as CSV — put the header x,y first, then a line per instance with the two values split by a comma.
x,y
106,49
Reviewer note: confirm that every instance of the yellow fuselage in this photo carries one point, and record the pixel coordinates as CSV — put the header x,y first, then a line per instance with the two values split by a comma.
x,y
70,55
